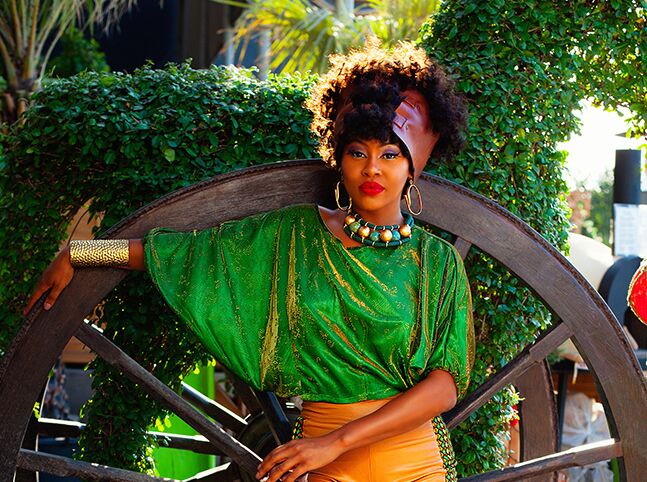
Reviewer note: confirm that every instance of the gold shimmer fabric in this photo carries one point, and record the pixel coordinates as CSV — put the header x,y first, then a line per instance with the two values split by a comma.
x,y
282,303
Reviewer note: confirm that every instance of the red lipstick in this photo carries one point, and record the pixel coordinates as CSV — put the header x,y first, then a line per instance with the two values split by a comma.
x,y
371,188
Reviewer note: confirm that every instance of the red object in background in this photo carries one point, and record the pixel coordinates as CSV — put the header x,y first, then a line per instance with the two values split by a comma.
x,y
637,297
515,421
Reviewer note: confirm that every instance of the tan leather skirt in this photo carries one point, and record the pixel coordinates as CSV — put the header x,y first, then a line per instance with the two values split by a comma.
x,y
412,456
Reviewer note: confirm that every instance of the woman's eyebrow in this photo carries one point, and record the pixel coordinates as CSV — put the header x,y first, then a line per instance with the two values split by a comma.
x,y
357,141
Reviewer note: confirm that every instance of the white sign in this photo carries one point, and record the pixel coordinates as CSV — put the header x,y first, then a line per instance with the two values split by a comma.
x,y
630,230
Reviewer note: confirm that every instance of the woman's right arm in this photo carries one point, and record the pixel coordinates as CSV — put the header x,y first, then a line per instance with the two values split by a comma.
x,y
60,272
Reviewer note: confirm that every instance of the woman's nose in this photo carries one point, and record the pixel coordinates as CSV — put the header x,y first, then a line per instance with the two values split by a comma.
x,y
372,167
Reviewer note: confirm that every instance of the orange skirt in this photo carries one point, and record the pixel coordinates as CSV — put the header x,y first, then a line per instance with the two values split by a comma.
x,y
408,457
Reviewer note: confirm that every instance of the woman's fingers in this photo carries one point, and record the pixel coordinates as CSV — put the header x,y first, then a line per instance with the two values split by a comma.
x,y
53,295
55,278
277,472
40,289
285,472
269,464
290,461
270,460
294,474
277,463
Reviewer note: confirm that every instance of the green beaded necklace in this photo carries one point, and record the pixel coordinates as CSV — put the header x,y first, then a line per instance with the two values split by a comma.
x,y
379,236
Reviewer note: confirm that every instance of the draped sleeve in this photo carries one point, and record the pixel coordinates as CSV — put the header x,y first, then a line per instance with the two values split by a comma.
x,y
222,282
445,332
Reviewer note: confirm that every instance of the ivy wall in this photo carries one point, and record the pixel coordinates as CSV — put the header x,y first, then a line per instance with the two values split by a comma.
x,y
123,141
524,67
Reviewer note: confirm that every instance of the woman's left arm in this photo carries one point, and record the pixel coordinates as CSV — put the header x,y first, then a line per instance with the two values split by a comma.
x,y
432,396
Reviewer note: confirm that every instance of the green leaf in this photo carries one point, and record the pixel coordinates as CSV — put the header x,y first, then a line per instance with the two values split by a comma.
x,y
169,154
108,80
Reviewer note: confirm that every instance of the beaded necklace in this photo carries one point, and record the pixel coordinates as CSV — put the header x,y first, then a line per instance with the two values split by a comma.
x,y
379,236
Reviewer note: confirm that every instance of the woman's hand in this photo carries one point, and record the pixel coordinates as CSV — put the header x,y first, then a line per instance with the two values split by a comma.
x,y
60,272
55,278
290,461
432,396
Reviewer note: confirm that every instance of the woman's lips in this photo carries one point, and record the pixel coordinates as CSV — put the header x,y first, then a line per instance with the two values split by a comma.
x,y
371,188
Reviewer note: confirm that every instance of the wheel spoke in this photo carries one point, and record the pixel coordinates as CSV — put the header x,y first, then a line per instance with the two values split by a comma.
x,y
222,473
279,424
245,393
535,353
266,402
538,413
66,428
59,428
462,246
241,455
575,457
30,442
194,443
213,409
62,466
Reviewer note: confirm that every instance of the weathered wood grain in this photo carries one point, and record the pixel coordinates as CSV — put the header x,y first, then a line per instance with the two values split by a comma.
x,y
67,428
222,473
576,457
109,352
462,247
466,215
213,409
538,416
532,354
62,466
30,442
34,351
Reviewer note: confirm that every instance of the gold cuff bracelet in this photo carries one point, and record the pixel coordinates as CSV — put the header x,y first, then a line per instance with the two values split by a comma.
x,y
99,252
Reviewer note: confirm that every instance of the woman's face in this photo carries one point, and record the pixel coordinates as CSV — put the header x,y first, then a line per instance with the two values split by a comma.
x,y
374,175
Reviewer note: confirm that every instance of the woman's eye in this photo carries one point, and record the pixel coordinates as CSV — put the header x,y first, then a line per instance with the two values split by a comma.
x,y
391,155
356,154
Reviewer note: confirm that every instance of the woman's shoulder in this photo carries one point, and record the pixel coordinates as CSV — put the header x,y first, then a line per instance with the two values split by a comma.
x,y
435,244
285,213
298,210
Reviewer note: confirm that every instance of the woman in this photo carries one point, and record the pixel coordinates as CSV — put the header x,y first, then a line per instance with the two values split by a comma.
x,y
358,311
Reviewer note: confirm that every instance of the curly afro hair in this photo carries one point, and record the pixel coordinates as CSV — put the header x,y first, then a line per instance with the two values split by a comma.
x,y
375,79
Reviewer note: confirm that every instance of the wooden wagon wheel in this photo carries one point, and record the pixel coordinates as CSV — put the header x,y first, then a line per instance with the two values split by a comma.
x,y
473,220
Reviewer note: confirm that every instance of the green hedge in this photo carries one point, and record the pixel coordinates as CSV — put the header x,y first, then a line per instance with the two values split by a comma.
x,y
78,53
524,67
123,141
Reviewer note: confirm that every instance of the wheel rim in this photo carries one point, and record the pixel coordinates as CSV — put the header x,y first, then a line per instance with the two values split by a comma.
x,y
584,316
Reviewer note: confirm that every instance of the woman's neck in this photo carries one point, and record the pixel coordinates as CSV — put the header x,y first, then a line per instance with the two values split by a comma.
x,y
383,216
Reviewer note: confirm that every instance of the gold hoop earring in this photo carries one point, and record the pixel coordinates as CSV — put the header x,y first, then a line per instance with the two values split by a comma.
x,y
350,200
407,198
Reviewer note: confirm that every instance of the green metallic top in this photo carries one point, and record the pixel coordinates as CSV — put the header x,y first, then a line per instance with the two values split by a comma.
x,y
280,301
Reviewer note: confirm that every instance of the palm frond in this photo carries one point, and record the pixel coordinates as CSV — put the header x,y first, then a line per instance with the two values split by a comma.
x,y
15,21
6,33
396,20
306,32
30,29
31,43
105,13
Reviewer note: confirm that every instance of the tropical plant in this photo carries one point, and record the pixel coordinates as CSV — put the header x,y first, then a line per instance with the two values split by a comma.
x,y
29,31
303,33
524,68
124,140
78,53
